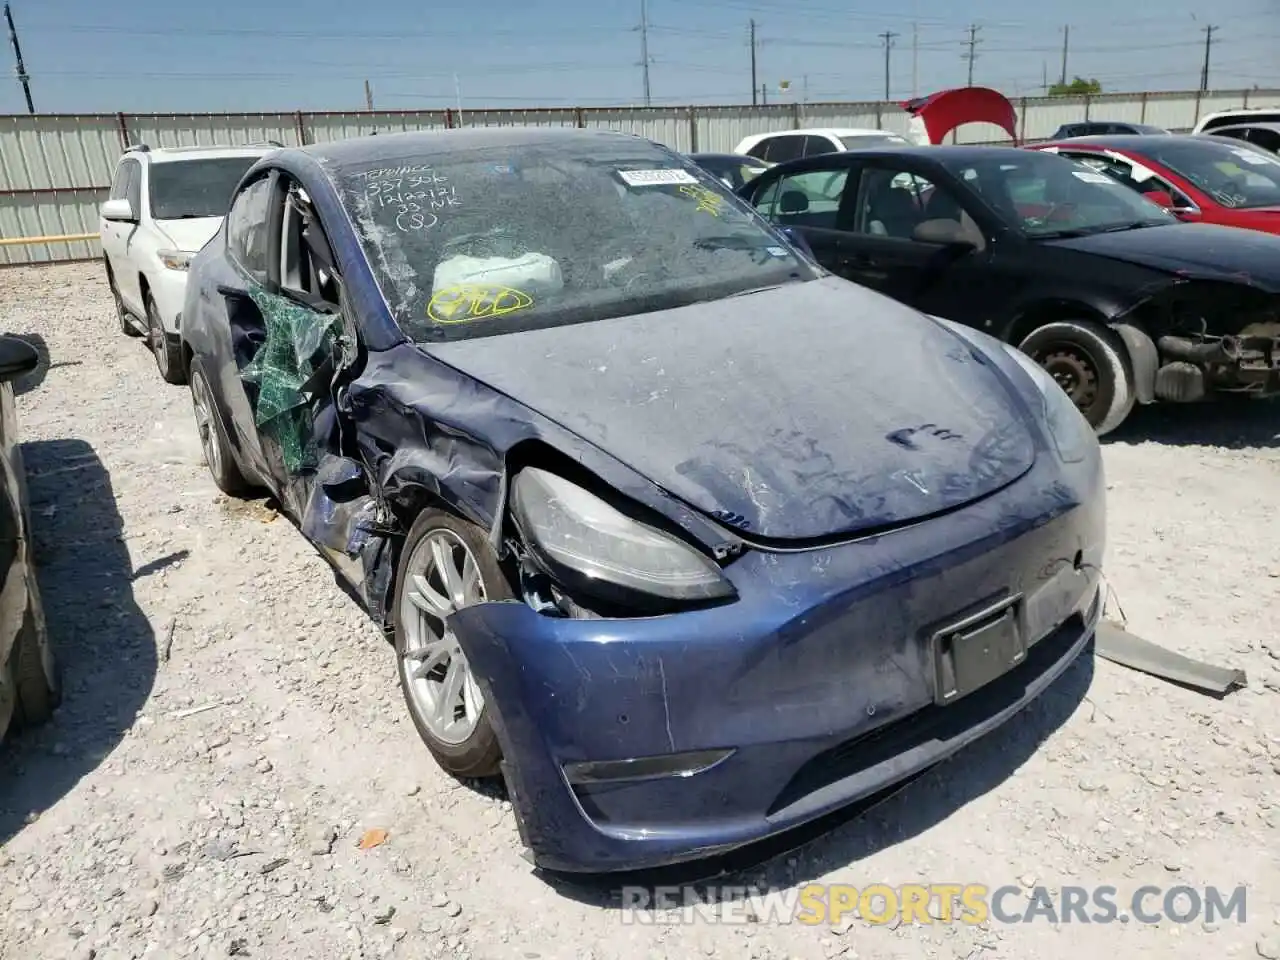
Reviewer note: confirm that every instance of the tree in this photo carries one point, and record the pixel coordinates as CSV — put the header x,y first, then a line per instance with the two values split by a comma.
x,y
1076,88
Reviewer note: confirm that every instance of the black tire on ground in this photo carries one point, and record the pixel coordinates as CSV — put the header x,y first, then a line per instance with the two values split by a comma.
x,y
168,354
1090,363
480,754
213,437
122,315
35,671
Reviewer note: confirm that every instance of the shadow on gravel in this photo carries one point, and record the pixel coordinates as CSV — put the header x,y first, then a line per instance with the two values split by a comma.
x,y
1233,424
867,827
103,642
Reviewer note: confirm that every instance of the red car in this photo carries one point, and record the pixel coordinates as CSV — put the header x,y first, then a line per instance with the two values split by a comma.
x,y
1197,177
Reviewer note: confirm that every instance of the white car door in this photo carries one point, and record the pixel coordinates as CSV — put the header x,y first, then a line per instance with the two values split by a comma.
x,y
112,233
118,237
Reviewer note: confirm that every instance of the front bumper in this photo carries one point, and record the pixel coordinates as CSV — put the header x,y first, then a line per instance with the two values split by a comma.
x,y
820,679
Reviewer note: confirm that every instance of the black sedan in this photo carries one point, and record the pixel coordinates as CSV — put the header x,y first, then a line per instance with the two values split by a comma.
x,y
29,689
1122,302
733,169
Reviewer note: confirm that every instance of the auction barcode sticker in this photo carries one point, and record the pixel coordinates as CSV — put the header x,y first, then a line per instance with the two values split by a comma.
x,y
655,178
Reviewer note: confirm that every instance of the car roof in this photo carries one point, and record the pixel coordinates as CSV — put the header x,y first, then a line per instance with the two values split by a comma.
x,y
1259,124
726,157
392,147
171,154
1124,141
932,152
750,141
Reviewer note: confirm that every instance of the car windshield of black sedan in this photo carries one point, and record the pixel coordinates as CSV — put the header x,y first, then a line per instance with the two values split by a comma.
x,y
1235,175
470,243
1044,196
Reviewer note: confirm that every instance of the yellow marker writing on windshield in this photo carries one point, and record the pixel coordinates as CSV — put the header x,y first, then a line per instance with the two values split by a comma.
x,y
708,200
475,302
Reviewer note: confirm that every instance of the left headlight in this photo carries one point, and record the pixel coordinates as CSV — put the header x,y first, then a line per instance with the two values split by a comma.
x,y
175,259
1070,431
580,537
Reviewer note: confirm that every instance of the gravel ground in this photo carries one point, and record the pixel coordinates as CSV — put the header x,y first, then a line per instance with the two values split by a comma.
x,y
137,824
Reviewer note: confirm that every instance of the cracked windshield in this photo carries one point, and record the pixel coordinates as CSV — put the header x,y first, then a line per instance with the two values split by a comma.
x,y
495,240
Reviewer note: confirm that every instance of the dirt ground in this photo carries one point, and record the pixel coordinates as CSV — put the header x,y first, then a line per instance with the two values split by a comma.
x,y
138,825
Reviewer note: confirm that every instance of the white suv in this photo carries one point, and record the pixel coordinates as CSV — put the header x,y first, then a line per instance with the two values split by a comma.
x,y
165,204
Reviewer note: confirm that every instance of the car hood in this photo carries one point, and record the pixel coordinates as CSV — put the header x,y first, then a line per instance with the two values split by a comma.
x,y
1198,250
190,235
811,410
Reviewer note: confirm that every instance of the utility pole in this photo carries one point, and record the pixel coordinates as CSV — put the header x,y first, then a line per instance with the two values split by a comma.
x,y
17,53
915,60
1208,45
804,82
887,37
972,43
368,97
754,84
644,48
1066,40
764,94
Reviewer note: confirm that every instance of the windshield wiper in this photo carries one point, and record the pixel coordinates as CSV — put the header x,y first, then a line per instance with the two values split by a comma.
x,y
730,241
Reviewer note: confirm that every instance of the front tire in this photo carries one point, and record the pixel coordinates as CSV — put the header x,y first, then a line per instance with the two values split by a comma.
x,y
213,438
446,565
1089,362
167,353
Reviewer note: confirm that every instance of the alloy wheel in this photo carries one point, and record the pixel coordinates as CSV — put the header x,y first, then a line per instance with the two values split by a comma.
x,y
443,578
202,407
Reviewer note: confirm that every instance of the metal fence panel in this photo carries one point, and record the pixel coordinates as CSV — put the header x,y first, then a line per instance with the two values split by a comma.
x,y
327,127
720,129
666,125
42,152
211,129
518,118
52,214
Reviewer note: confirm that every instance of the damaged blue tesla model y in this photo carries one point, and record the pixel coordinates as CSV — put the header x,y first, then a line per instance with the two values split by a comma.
x,y
687,540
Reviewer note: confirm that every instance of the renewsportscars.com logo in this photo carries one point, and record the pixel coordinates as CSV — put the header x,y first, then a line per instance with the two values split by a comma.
x,y
972,903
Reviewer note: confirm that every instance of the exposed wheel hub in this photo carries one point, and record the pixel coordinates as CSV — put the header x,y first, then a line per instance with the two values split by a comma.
x,y
1075,373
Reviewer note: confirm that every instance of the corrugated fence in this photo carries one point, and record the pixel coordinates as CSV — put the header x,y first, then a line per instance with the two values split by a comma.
x,y
56,169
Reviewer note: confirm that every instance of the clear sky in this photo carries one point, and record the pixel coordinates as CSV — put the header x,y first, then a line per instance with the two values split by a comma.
x,y
158,55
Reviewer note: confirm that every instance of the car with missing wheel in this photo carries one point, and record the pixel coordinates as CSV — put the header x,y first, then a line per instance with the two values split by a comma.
x,y
164,205
685,539
1120,300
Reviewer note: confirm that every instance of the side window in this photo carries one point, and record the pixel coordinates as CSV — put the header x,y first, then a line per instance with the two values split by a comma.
x,y
761,149
120,185
247,234
784,148
809,199
816,146
133,188
895,203
1125,174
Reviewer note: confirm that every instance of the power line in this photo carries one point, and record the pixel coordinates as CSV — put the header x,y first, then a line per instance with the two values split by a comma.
x,y
887,37
1208,45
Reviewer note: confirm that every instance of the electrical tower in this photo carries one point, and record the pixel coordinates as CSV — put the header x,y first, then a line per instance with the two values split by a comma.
x,y
972,53
887,37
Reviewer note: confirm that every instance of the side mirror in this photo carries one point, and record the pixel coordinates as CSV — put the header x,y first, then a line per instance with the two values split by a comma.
x,y
119,211
946,233
17,358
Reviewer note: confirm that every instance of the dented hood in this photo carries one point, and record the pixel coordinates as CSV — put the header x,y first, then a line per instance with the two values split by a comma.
x,y
1200,251
811,410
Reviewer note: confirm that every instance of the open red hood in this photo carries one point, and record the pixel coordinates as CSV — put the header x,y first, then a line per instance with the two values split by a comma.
x,y
945,110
